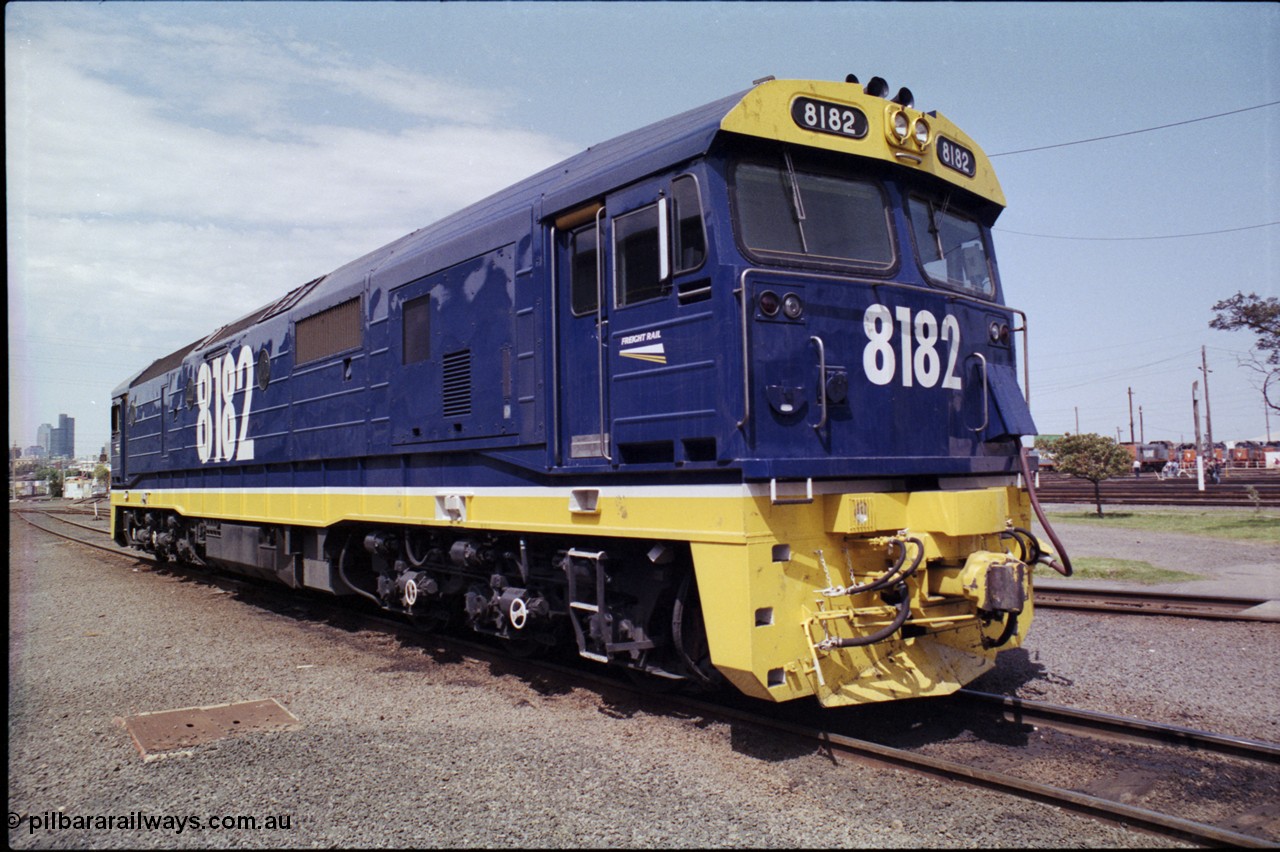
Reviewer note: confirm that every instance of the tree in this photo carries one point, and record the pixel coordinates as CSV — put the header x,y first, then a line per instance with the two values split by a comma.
x,y
1262,317
1089,456
53,476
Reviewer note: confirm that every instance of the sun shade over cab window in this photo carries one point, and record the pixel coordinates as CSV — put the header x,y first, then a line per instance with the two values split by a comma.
x,y
787,211
950,246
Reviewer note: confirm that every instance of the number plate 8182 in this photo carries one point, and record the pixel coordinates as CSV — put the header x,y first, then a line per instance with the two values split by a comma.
x,y
826,117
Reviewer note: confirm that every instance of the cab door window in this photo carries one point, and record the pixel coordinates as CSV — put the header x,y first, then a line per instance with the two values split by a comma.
x,y
637,276
584,288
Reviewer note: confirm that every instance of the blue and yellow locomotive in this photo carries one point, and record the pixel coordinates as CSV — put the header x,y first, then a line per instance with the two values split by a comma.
x,y
732,396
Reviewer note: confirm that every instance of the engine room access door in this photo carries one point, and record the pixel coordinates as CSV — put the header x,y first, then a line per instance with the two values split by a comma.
x,y
451,342
583,332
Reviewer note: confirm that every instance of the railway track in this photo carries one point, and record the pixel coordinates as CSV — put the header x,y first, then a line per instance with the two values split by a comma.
x,y
98,542
1150,603
1092,740
818,728
1235,490
1122,728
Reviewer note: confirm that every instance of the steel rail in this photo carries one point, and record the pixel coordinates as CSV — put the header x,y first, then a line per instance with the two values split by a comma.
x,y
1164,824
60,516
1148,603
1058,716
112,548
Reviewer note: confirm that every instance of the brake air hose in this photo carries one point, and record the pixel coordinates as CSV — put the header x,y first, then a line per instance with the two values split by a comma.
x,y
904,609
1064,568
895,575
342,571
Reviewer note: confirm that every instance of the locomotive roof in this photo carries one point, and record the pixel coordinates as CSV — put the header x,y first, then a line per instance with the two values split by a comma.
x,y
762,111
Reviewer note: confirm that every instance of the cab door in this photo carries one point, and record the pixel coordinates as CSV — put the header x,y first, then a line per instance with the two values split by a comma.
x,y
664,340
639,343
582,338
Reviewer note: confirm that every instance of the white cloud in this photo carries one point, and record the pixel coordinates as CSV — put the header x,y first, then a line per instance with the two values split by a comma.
x,y
164,179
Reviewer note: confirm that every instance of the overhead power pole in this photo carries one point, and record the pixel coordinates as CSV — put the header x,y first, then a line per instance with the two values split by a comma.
x,y
1131,440
1195,412
1208,417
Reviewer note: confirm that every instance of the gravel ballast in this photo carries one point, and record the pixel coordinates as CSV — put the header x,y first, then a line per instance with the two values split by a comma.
x,y
406,743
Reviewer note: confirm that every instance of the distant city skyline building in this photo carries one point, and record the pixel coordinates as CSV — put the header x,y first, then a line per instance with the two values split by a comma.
x,y
43,436
62,438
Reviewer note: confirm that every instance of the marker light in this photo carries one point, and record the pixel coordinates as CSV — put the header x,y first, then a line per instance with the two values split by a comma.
x,y
769,303
792,306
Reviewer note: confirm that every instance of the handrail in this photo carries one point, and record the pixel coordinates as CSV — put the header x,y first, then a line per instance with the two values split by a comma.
x,y
600,331
557,291
741,293
822,379
986,393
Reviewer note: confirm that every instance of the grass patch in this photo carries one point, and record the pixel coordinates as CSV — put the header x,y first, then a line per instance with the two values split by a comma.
x,y
1237,526
1126,570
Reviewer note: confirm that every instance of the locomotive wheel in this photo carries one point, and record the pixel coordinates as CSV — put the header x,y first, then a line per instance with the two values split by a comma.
x,y
689,634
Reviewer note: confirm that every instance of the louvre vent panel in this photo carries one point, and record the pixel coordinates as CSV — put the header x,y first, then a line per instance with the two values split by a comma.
x,y
457,383
329,332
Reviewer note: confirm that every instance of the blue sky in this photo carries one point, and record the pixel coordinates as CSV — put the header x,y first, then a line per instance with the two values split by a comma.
x,y
172,166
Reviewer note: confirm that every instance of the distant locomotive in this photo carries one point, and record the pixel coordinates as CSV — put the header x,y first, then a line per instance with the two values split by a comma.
x,y
732,396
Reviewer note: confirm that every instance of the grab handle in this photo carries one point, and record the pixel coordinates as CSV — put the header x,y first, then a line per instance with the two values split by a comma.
x,y
822,379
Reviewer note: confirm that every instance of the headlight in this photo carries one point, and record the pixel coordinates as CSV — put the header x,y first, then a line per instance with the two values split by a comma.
x,y
922,132
769,303
901,125
792,306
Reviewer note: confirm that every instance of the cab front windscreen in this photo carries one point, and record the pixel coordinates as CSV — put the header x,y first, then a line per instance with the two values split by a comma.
x,y
950,247
799,213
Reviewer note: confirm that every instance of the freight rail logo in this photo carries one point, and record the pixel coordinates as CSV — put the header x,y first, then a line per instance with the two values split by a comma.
x,y
639,347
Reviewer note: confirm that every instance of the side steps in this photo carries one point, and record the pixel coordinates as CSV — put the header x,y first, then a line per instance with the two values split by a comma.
x,y
595,627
